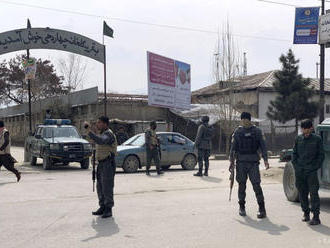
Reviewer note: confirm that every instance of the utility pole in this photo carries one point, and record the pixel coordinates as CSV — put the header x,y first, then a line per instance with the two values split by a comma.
x,y
322,66
29,86
245,65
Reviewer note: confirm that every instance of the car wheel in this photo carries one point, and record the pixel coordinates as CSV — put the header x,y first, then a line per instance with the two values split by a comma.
x,y
47,163
131,164
289,183
166,167
84,164
33,160
189,162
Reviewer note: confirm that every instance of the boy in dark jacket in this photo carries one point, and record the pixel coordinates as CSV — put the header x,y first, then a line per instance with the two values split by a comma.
x,y
307,158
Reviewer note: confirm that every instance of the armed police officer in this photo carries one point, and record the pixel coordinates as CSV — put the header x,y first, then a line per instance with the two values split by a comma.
x,y
307,158
246,141
106,150
5,157
152,148
203,144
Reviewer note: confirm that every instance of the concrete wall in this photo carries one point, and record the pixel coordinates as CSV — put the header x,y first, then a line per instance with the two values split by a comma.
x,y
79,107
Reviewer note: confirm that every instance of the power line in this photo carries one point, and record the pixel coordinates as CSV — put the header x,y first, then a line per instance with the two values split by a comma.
x,y
138,22
279,3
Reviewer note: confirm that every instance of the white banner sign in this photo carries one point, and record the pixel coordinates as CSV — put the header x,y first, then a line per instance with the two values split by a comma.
x,y
324,29
169,82
46,38
30,68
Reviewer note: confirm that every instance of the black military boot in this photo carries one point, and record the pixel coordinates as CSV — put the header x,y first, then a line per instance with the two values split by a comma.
x,y
306,217
206,173
99,211
18,176
107,213
262,211
242,211
316,220
200,172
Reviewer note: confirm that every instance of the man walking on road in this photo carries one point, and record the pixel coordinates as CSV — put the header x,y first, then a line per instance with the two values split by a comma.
x,y
203,144
246,141
106,150
307,158
5,157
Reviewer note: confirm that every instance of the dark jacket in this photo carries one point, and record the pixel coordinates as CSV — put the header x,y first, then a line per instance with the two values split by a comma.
x,y
121,137
257,144
308,154
203,137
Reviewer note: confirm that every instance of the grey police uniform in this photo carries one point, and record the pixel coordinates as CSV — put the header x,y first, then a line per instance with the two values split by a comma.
x,y
246,141
106,149
203,144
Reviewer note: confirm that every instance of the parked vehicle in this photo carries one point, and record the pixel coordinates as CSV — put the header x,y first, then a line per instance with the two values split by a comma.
x,y
176,149
289,179
57,141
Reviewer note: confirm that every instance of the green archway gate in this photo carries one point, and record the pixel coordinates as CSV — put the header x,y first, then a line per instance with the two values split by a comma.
x,y
47,38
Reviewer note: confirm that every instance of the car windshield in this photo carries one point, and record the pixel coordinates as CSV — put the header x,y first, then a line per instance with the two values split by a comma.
x,y
69,132
135,141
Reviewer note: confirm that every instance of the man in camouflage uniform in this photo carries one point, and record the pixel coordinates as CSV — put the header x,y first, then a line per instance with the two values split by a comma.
x,y
203,144
307,158
152,148
106,150
246,141
5,157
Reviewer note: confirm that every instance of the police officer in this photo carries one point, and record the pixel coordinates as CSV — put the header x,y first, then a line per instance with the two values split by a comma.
x,y
106,150
152,148
246,141
122,136
5,157
307,158
203,144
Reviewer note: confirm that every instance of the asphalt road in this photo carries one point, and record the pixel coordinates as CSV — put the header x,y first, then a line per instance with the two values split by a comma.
x,y
53,209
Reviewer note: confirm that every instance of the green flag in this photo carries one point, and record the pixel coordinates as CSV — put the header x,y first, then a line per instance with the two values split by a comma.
x,y
107,30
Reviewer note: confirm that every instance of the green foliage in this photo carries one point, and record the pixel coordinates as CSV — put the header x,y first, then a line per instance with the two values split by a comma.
x,y
294,93
14,88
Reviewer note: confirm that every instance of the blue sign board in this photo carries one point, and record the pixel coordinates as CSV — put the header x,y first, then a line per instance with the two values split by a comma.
x,y
306,25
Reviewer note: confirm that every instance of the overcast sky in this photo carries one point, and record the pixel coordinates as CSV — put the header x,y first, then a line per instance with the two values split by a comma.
x,y
126,53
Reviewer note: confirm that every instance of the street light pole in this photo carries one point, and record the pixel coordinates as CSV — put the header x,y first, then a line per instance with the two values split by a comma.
x,y
322,66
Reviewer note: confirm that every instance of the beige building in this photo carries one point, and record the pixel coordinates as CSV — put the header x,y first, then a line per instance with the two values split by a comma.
x,y
254,93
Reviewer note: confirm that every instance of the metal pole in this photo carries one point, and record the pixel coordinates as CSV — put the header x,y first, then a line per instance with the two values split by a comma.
x,y
105,83
29,87
322,66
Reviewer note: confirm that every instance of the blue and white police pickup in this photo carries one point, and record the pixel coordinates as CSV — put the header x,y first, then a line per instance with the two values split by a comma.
x,y
57,142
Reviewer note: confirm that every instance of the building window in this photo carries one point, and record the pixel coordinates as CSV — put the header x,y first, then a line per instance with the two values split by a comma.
x,y
327,108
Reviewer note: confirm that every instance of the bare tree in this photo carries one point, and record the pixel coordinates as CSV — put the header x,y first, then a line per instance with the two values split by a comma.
x,y
228,65
73,69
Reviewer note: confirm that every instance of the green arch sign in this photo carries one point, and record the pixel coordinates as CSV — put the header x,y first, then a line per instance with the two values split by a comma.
x,y
47,38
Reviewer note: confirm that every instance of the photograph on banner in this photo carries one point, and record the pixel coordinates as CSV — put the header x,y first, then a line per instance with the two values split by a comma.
x,y
324,29
183,85
169,82
306,25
